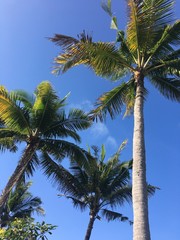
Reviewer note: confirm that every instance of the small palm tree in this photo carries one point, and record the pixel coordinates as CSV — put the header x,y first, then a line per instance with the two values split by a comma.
x,y
97,185
40,122
148,50
20,204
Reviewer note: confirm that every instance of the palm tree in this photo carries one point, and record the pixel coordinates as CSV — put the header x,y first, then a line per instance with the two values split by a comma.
x,y
20,204
95,185
41,123
148,50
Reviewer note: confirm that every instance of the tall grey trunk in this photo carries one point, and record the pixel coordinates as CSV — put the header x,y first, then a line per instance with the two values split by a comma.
x,y
139,190
17,174
90,226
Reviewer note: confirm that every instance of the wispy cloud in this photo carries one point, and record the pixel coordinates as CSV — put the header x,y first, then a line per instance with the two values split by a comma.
x,y
112,142
99,130
86,105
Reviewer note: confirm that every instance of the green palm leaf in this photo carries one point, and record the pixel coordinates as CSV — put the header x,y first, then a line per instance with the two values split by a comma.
x,y
77,203
78,120
99,56
111,216
40,123
9,139
112,102
20,204
120,196
61,149
146,19
163,45
12,114
32,166
63,40
168,87
64,180
23,97
45,106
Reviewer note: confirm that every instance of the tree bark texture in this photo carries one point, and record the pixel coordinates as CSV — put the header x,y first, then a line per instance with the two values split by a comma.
x,y
17,174
90,227
139,190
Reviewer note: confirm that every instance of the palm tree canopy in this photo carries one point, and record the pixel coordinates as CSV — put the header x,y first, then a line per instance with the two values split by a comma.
x,y
41,119
20,204
149,47
96,184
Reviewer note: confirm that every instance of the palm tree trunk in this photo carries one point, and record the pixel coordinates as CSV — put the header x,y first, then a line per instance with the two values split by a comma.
x,y
18,172
90,226
139,191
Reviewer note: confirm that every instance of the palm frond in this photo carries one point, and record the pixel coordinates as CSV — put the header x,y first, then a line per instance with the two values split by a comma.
x,y
45,106
73,51
168,87
12,113
8,143
106,61
146,19
99,56
124,48
112,102
167,38
114,179
78,120
116,156
115,175
80,173
76,202
103,153
120,196
29,206
169,66
63,40
151,190
61,149
23,97
111,216
133,34
61,177
10,138
62,127
32,165
20,204
106,6
57,131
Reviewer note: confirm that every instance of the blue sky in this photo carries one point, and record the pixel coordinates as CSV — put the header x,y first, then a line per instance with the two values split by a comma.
x,y
26,59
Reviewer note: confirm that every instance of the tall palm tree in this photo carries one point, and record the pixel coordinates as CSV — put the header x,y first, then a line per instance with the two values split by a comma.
x,y
147,50
97,185
20,204
40,122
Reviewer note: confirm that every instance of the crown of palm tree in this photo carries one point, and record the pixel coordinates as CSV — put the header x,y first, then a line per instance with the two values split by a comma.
x,y
20,204
41,122
95,184
40,119
150,46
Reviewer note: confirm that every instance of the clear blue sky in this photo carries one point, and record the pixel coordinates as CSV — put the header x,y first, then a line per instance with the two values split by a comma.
x,y
26,59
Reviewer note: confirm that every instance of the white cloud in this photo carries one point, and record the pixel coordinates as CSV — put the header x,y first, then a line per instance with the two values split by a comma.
x,y
99,130
85,105
112,142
